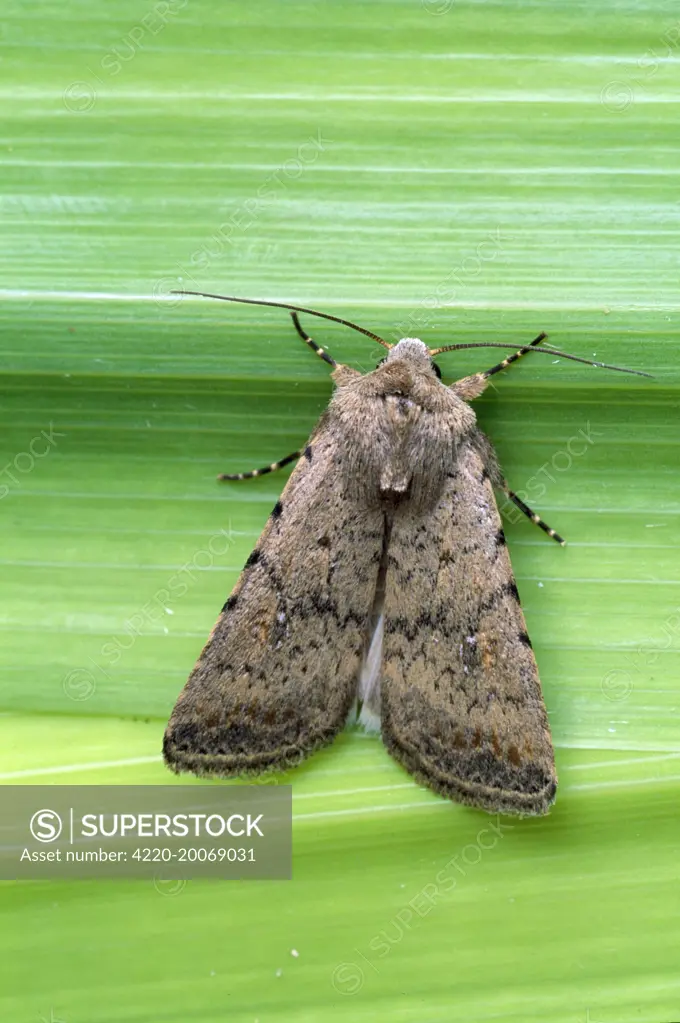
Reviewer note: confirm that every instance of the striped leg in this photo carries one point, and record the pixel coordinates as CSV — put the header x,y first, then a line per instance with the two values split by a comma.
x,y
260,472
536,519
513,358
321,352
471,387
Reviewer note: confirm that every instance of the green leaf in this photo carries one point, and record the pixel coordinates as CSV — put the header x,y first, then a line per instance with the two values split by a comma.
x,y
456,171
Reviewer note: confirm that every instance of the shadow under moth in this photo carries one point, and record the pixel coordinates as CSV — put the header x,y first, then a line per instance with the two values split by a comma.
x,y
381,590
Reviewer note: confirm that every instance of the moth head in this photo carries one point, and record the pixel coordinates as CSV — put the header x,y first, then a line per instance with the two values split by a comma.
x,y
413,351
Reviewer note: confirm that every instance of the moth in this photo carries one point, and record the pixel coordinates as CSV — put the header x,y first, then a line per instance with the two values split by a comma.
x,y
381,590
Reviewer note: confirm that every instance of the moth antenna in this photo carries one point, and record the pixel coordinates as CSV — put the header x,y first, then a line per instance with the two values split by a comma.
x,y
292,309
540,351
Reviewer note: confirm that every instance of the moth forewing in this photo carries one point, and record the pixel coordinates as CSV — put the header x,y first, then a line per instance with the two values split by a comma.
x,y
277,677
462,707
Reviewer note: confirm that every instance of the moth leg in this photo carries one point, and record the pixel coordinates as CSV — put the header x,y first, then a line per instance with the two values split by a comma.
x,y
494,472
517,355
321,352
536,519
473,386
260,472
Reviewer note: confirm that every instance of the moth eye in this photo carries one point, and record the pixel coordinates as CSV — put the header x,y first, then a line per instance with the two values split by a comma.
x,y
437,371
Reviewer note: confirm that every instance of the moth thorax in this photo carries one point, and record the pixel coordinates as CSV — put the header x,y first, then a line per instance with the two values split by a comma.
x,y
412,349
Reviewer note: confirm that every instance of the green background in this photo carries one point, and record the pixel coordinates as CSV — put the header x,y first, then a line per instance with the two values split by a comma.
x,y
456,171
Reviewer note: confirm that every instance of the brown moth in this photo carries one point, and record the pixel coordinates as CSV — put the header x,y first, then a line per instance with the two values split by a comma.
x,y
381,588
